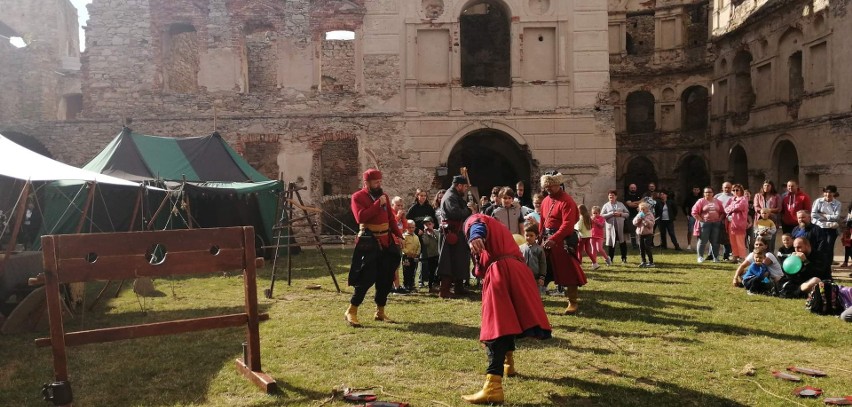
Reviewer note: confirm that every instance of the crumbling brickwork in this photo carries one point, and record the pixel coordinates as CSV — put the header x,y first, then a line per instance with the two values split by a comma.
x,y
338,65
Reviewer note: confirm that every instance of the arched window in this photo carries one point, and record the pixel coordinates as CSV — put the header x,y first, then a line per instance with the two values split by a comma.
x,y
640,113
694,108
485,44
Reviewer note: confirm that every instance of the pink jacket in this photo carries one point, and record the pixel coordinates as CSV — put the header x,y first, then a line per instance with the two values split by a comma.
x,y
644,224
598,227
737,208
701,214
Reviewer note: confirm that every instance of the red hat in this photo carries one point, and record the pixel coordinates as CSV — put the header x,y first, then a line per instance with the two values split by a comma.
x,y
372,174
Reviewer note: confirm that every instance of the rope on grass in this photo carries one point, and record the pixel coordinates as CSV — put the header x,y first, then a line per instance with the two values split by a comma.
x,y
771,393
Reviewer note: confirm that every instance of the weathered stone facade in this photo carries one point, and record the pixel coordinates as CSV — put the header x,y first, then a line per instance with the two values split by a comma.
x,y
395,96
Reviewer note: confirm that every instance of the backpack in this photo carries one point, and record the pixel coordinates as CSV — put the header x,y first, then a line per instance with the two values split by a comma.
x,y
824,299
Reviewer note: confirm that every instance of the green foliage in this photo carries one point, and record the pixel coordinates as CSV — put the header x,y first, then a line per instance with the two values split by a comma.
x,y
672,336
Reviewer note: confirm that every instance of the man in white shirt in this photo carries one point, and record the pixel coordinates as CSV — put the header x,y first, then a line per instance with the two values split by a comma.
x,y
724,197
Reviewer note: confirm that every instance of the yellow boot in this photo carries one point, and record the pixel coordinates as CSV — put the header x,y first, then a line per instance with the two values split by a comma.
x,y
492,391
351,316
509,365
381,316
573,304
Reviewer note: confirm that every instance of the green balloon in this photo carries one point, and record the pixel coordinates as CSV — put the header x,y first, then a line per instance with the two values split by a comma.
x,y
792,265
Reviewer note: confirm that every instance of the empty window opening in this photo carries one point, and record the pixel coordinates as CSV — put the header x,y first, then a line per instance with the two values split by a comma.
x,y
71,106
181,59
640,33
694,109
17,42
338,62
339,167
485,45
640,113
743,93
797,81
262,59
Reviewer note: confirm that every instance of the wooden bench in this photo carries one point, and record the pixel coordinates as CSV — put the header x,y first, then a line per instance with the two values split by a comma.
x,y
121,256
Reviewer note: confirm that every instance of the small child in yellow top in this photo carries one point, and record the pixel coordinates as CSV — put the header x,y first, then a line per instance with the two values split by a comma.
x,y
764,227
410,254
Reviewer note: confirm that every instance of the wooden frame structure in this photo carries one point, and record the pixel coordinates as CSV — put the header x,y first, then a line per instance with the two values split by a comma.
x,y
115,256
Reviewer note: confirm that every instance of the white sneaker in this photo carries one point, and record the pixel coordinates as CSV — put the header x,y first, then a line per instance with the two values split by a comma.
x,y
596,266
689,247
700,259
608,262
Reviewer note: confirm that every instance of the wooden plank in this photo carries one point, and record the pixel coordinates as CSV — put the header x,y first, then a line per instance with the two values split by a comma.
x,y
260,379
132,266
154,329
129,243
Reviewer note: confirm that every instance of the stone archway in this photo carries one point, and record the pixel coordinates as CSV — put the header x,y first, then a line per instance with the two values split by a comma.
x,y
738,166
640,171
692,172
786,163
493,158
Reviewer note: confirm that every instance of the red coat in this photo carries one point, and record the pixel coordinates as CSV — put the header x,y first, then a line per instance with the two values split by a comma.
x,y
559,211
511,303
368,211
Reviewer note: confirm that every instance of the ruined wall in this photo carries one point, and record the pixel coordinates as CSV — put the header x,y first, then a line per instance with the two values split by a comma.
x,y
795,108
338,65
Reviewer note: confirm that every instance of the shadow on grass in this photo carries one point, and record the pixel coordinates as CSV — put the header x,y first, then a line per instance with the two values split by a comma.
x,y
617,279
161,370
647,308
608,394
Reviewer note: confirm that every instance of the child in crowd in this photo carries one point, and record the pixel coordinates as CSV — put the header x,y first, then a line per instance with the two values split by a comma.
x,y
756,278
644,222
398,209
584,232
429,254
410,254
846,240
764,227
598,231
508,212
534,256
786,248
534,218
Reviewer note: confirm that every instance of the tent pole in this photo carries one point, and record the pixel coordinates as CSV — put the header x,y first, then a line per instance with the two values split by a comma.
x,y
160,209
185,199
89,200
136,206
19,219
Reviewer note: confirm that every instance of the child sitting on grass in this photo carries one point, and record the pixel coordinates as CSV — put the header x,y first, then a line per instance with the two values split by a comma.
x,y
756,278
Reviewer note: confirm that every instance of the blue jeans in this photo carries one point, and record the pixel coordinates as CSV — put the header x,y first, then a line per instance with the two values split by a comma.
x,y
709,233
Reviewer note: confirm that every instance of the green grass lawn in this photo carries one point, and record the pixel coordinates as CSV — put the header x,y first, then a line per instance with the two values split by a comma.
x,y
677,335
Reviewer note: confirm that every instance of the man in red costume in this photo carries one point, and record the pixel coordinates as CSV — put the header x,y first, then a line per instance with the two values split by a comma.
x,y
376,255
559,214
511,305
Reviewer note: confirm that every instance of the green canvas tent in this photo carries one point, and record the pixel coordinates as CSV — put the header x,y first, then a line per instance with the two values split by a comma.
x,y
222,189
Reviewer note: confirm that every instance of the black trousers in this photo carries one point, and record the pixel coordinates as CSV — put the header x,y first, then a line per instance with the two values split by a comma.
x,y
646,247
667,228
496,350
409,269
428,271
375,269
622,247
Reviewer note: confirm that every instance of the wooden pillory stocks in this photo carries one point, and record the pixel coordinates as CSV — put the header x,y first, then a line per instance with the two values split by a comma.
x,y
117,256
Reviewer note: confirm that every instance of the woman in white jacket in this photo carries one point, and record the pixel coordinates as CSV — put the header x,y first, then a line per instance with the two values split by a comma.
x,y
615,213
827,213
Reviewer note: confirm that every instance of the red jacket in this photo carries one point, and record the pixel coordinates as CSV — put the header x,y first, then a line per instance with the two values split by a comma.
x,y
559,211
793,203
368,211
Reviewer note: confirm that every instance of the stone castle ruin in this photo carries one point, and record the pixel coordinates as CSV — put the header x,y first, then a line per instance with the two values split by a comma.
x,y
677,92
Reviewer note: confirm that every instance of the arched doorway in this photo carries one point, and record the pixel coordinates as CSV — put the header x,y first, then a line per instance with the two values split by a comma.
x,y
738,166
493,158
640,171
485,27
692,172
786,163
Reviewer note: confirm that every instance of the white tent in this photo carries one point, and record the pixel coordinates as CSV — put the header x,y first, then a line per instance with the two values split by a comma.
x,y
20,163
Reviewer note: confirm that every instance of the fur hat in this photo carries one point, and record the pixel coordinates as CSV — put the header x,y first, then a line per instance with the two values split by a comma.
x,y
372,174
551,179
